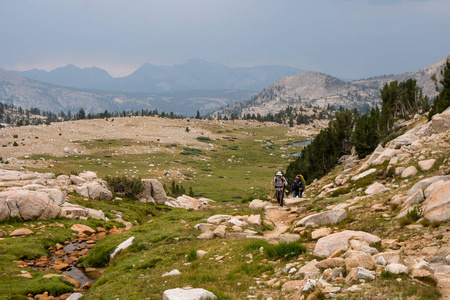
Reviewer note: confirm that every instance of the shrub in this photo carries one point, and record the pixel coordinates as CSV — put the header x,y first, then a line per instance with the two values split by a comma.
x,y
191,151
130,187
411,217
203,139
192,255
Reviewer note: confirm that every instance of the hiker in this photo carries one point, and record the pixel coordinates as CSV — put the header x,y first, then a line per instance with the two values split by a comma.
x,y
280,183
297,187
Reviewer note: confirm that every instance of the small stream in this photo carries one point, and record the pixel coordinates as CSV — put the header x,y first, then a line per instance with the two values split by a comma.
x,y
75,248
76,272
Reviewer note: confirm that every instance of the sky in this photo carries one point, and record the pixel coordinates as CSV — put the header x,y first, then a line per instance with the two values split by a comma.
x,y
349,39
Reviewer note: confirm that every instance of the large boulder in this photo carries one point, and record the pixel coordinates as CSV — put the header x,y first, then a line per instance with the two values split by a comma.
x,y
327,245
376,188
437,208
409,172
425,165
27,205
411,136
154,191
324,218
423,184
441,122
188,294
94,190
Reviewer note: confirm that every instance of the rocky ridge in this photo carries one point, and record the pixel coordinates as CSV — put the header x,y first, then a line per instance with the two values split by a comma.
x,y
317,89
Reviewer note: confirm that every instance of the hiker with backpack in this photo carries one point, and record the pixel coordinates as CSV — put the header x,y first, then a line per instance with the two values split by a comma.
x,y
280,184
298,186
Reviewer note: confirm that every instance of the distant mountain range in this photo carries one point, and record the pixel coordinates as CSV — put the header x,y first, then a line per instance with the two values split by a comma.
x,y
29,93
195,74
317,89
196,85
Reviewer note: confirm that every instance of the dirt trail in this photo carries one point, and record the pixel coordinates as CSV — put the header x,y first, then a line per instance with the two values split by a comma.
x,y
443,278
281,217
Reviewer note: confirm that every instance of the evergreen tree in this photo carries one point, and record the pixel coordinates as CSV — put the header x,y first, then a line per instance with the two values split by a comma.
x,y
442,101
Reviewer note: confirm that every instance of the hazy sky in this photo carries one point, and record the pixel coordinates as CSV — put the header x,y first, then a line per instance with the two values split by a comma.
x,y
344,38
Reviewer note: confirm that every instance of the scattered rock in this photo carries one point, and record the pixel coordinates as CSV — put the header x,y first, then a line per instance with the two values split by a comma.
x,y
188,293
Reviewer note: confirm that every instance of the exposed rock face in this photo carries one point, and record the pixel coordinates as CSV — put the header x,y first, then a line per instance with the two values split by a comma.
x,y
324,218
423,184
437,208
329,244
27,205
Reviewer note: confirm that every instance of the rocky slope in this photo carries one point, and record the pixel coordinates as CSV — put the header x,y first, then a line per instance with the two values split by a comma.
x,y
318,89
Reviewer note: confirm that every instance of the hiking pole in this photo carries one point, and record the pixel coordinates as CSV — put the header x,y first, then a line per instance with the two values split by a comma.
x,y
270,196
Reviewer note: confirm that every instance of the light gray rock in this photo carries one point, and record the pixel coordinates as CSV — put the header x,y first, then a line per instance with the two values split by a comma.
x,y
425,165
88,176
94,190
258,204
310,270
390,257
27,205
419,131
409,172
220,231
437,208
201,253
375,154
75,296
387,154
188,294
376,188
122,246
187,202
423,184
174,272
416,198
327,245
203,227
146,195
217,219
364,274
254,220
158,192
441,122
288,238
397,268
77,180
207,235
324,218
56,195
236,222
363,174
